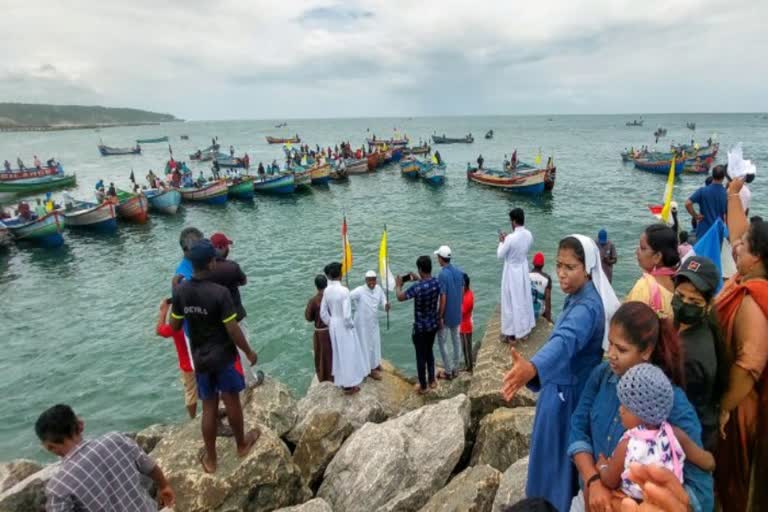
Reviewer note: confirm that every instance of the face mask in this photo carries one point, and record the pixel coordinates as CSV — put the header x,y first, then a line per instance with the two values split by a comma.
x,y
689,314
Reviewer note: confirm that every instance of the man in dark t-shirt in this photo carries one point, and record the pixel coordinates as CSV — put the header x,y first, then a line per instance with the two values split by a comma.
x,y
214,338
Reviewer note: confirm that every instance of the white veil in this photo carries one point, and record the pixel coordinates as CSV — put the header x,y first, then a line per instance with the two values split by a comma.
x,y
600,280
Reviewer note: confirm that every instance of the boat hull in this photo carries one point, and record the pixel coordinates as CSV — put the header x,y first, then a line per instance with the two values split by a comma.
x,y
524,183
45,231
97,217
283,184
450,140
241,190
134,209
108,151
33,185
152,141
659,166
356,166
17,174
275,140
409,168
320,174
163,201
215,193
431,173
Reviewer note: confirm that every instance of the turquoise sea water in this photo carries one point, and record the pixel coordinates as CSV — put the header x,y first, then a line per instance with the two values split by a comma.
x,y
77,324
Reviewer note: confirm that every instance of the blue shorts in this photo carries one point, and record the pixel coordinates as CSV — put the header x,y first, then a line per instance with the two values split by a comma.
x,y
226,380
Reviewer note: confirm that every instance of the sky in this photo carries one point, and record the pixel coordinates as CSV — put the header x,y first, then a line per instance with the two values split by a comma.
x,y
255,59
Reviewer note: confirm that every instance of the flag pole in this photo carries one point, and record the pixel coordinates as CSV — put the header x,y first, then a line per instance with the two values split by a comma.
x,y
386,272
344,250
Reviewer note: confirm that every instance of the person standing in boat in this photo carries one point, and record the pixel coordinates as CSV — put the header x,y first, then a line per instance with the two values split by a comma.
x,y
112,192
231,150
36,162
513,160
517,318
438,158
260,170
20,163
480,161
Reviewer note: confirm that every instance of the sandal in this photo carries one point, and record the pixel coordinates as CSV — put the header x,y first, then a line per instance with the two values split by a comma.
x,y
250,441
201,457
443,375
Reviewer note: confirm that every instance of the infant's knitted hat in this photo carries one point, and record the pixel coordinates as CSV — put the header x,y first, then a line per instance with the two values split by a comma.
x,y
647,393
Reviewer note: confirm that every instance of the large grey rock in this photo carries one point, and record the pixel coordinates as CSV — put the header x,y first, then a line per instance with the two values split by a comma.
x,y
504,437
376,401
148,438
398,465
512,485
14,472
472,490
29,494
315,505
263,480
322,438
445,389
494,360
271,404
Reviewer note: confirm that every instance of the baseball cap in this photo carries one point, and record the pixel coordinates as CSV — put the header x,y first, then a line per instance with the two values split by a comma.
x,y
201,252
220,241
701,272
444,251
538,259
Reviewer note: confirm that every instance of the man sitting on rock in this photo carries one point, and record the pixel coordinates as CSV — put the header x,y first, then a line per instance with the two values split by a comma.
x,y
214,336
97,474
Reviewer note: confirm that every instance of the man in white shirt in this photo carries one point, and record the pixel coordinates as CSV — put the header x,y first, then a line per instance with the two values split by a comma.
x,y
367,300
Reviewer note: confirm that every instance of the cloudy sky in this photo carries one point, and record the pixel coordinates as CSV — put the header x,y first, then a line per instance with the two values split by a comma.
x,y
253,59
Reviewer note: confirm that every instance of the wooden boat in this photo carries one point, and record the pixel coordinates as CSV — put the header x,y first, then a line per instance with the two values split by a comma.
x,y
152,141
337,174
281,125
419,150
393,143
353,166
658,166
44,231
528,183
206,154
395,154
550,174
438,139
163,201
214,192
489,135
88,215
690,126
375,160
696,167
276,140
231,162
433,174
110,151
25,174
635,123
301,177
6,238
132,207
702,152
320,174
241,188
184,137
409,167
275,184
43,184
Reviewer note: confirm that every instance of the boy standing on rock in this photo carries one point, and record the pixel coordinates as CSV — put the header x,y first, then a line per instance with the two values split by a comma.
x,y
214,336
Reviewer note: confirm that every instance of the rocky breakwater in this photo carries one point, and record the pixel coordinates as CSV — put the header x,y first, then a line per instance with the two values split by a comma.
x,y
458,448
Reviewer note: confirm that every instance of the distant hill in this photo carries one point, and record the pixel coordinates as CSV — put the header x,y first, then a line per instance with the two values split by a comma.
x,y
24,115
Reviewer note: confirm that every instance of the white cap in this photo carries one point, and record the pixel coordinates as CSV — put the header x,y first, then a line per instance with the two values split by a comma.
x,y
370,274
444,251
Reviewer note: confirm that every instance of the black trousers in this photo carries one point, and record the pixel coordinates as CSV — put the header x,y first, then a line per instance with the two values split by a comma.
x,y
466,346
425,358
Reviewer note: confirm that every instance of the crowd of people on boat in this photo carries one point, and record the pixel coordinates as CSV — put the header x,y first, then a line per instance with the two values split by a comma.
x,y
36,164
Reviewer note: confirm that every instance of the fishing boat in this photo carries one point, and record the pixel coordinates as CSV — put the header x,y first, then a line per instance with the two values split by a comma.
x,y
527,183
409,167
110,151
44,231
375,160
697,166
550,174
394,143
241,188
184,137
433,174
88,215
6,238
163,201
692,152
418,150
320,174
635,123
489,135
132,207
205,154
658,166
660,132
152,141
43,184
231,162
276,140
442,139
214,192
395,155
355,166
690,126
25,174
275,184
281,125
301,177
337,174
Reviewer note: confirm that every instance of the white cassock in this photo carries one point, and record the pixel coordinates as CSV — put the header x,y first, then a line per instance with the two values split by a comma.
x,y
367,303
516,300
350,364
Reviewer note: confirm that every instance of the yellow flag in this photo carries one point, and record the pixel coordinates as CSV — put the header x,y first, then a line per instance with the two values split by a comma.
x,y
665,211
346,259
387,279
288,145
537,161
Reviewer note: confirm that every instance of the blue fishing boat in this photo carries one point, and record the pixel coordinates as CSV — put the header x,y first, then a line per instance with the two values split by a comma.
x,y
214,192
659,166
163,201
230,162
433,174
88,215
43,231
409,167
281,184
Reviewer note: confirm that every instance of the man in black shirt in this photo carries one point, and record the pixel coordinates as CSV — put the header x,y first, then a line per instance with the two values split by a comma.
x,y
214,338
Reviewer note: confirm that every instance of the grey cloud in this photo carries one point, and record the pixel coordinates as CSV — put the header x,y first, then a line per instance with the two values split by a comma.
x,y
332,17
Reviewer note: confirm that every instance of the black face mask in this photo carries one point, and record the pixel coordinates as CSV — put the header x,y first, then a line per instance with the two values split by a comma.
x,y
688,314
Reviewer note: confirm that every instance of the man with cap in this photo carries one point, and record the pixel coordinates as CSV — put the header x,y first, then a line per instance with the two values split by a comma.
x,y
367,300
451,279
517,319
228,274
608,256
215,336
706,372
541,288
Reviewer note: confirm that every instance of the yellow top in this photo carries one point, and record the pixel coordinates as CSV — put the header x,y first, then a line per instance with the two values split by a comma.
x,y
646,288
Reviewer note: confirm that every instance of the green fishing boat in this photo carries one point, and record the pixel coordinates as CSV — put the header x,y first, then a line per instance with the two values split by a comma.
x,y
33,185
152,141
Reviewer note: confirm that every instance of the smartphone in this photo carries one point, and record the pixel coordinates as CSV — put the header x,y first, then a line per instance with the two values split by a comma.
x,y
405,277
